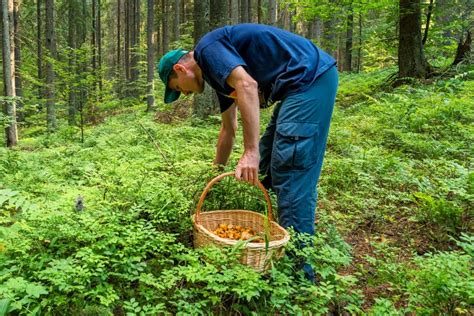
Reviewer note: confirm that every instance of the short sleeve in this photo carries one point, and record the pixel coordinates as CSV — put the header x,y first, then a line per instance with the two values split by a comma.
x,y
218,59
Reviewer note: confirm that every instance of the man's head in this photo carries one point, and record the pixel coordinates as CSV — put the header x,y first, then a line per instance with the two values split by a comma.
x,y
180,73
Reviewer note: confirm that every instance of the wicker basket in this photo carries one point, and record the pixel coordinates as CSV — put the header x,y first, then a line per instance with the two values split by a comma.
x,y
254,254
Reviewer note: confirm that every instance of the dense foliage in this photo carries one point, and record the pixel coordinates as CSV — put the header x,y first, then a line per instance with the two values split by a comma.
x,y
104,226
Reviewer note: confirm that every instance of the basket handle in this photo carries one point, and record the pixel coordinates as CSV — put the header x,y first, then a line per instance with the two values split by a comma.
x,y
219,178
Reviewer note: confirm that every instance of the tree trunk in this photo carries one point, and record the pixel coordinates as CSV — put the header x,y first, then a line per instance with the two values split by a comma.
x,y
293,25
285,18
176,22
99,49
259,12
158,24
428,19
218,13
348,50
135,47
183,19
314,30
126,48
94,47
82,37
201,21
51,45
164,20
119,33
8,52
463,50
150,69
203,103
359,48
411,60
131,51
329,37
244,11
18,81
72,61
253,11
234,12
39,47
272,12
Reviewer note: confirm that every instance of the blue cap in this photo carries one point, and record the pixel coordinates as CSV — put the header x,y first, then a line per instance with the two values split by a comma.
x,y
165,67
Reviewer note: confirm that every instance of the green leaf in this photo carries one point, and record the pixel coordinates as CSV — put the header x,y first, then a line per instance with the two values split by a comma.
x,y
36,290
4,306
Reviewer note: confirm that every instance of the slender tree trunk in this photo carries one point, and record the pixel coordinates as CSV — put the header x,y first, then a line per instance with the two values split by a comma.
x,y
319,30
259,12
50,76
131,16
253,11
201,20
99,49
218,13
8,52
234,11
183,12
126,48
119,33
94,46
293,25
329,37
309,29
348,50
165,26
428,19
203,103
135,24
82,37
158,25
39,47
244,11
359,48
411,59
314,30
272,12
176,21
18,81
285,18
72,61
150,69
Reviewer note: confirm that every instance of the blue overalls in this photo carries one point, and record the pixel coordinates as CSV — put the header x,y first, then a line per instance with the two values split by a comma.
x,y
290,69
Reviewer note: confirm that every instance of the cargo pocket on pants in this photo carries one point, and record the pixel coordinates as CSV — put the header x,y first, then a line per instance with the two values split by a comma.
x,y
295,146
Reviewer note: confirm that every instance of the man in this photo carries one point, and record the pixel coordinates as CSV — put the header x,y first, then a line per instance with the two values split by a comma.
x,y
251,66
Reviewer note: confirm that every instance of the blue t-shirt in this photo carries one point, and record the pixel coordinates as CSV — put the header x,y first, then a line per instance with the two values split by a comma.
x,y
281,62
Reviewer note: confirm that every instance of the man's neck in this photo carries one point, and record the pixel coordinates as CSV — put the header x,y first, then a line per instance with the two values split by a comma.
x,y
195,67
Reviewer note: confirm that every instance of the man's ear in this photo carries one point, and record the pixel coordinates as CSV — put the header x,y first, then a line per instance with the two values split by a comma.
x,y
179,68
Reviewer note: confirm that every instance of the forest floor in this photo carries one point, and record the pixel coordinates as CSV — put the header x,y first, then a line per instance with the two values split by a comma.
x,y
394,218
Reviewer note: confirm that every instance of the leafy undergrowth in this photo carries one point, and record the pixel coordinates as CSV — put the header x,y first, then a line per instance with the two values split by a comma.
x,y
104,227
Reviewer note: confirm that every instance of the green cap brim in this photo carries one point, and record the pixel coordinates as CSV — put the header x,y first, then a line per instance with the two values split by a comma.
x,y
171,95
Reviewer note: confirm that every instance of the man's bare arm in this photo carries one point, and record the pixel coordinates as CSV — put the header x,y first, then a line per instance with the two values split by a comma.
x,y
248,103
226,136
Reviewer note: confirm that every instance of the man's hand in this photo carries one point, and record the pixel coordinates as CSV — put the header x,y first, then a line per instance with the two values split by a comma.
x,y
247,168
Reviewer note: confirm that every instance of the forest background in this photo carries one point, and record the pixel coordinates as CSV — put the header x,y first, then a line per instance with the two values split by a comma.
x,y
98,177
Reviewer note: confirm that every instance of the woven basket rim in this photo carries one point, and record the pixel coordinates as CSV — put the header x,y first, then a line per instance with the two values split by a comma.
x,y
253,245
